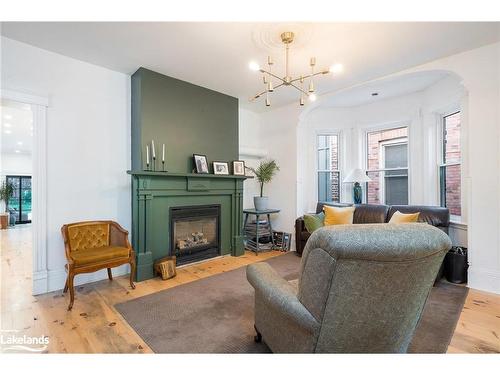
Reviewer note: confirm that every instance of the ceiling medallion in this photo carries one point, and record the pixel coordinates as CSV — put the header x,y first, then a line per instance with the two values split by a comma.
x,y
297,82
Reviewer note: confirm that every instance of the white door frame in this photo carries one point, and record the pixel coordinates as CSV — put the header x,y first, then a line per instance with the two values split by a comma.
x,y
39,106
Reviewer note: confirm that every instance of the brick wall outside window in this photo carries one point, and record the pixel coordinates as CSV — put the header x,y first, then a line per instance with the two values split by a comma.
x,y
451,154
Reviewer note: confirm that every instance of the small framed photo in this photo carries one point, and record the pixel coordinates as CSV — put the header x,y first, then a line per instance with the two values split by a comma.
x,y
238,168
200,162
221,167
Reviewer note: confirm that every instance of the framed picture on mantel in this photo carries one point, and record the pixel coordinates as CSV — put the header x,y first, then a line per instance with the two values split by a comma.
x,y
221,167
238,168
200,162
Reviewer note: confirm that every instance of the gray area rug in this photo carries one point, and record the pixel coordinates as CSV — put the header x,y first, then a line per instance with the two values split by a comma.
x,y
215,314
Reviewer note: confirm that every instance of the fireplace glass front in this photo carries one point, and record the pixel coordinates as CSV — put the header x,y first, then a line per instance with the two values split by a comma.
x,y
195,232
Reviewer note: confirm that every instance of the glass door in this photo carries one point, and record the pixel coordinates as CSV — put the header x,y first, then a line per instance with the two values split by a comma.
x,y
20,203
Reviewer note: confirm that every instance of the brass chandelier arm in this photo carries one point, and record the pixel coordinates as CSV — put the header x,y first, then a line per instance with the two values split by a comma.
x,y
310,75
300,89
272,75
263,92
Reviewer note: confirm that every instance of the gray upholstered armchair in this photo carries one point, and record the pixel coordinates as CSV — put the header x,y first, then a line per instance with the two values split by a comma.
x,y
361,289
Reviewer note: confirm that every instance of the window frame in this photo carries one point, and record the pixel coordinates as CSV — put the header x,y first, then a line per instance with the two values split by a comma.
x,y
443,164
339,160
399,140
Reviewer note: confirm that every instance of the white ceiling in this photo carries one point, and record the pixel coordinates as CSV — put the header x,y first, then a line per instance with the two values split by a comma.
x,y
216,55
16,128
385,88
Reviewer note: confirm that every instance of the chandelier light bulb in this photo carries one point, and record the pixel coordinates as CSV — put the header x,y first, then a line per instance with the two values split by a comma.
x,y
268,102
312,97
336,68
270,87
301,100
311,86
253,66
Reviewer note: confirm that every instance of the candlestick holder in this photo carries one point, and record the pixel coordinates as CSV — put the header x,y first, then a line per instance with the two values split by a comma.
x,y
154,165
163,166
147,166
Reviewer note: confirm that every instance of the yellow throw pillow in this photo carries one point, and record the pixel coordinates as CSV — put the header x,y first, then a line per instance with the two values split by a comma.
x,y
338,215
399,218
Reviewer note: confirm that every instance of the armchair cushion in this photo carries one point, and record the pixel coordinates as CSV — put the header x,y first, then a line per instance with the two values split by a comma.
x,y
84,236
98,255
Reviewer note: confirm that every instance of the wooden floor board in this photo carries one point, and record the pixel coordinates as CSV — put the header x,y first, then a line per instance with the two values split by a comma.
x,y
94,326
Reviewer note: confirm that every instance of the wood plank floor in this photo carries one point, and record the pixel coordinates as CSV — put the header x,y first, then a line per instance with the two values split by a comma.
x,y
93,326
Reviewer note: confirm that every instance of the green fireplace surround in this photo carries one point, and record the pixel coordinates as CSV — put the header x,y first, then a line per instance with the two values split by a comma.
x,y
154,193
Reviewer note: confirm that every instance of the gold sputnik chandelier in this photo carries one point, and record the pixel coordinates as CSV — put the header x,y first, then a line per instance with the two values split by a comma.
x,y
298,82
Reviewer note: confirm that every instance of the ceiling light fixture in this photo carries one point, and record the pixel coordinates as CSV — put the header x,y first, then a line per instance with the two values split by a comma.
x,y
7,117
7,125
7,131
20,143
17,151
288,80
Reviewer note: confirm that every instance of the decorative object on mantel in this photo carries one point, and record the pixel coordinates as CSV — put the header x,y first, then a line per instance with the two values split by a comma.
x,y
356,176
200,162
147,157
6,192
221,167
238,168
287,38
153,153
166,267
264,173
163,158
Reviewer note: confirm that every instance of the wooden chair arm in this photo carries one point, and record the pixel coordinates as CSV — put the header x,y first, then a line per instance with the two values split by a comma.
x,y
118,236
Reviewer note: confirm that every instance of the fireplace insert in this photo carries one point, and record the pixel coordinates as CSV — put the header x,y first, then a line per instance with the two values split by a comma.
x,y
194,233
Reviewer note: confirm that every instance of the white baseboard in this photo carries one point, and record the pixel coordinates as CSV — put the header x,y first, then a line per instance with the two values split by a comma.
x,y
40,280
55,279
486,279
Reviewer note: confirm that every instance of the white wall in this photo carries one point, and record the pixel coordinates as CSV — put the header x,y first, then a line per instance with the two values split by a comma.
x,y
88,141
16,164
251,151
479,70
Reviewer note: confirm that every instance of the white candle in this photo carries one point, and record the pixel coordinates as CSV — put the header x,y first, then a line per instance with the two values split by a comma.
x,y
163,153
153,149
147,154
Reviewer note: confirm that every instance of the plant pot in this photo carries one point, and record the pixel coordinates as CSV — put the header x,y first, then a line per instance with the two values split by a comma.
x,y
260,203
4,221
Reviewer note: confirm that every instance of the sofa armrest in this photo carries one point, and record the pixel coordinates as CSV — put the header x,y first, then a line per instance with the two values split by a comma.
x,y
280,295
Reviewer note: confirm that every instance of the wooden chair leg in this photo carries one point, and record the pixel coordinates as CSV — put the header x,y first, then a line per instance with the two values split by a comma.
x,y
71,290
110,276
132,274
66,285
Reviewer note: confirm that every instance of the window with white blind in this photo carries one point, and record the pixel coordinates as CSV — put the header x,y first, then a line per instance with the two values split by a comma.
x,y
328,170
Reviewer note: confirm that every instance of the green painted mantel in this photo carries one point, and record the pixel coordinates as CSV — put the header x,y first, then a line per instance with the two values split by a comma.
x,y
154,193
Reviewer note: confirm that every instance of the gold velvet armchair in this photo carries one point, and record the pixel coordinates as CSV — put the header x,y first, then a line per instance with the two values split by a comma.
x,y
93,245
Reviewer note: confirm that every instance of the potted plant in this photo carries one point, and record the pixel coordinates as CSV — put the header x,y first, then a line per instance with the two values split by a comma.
x,y
264,174
6,192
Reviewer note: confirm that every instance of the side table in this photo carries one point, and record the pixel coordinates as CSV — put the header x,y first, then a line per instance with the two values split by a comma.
x,y
258,229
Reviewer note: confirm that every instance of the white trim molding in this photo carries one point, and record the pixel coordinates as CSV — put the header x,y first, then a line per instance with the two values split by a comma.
x,y
486,279
39,106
